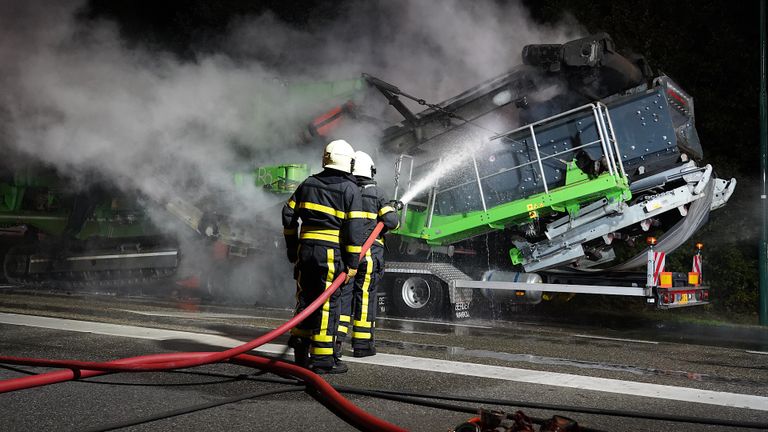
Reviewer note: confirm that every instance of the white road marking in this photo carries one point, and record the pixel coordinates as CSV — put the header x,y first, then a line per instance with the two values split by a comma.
x,y
423,364
757,352
615,339
129,331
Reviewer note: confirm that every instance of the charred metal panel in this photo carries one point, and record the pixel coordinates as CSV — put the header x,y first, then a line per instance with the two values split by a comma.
x,y
644,130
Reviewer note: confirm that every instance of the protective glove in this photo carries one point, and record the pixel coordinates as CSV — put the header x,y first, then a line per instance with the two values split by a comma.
x,y
350,275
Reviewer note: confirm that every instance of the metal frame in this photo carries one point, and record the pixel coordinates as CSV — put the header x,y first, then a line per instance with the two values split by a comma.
x,y
569,233
564,288
607,141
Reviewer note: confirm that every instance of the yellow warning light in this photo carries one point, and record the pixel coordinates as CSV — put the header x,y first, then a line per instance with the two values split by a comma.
x,y
699,246
520,293
693,278
651,241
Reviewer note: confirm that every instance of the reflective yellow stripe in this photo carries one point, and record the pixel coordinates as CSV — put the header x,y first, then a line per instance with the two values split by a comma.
x,y
343,329
380,241
366,288
354,249
311,229
323,209
386,209
322,351
287,231
313,236
360,335
326,314
321,338
345,318
361,215
310,233
364,324
291,203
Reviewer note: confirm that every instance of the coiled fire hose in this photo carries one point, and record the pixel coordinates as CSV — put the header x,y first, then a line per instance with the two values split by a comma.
x,y
163,362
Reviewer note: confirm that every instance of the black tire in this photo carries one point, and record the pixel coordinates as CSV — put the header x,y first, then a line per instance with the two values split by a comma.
x,y
418,296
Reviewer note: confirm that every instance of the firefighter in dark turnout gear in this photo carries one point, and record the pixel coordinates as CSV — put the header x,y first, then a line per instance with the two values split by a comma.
x,y
328,242
358,302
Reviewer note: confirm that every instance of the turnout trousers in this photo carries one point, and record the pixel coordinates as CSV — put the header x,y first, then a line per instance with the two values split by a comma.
x,y
364,301
317,267
345,315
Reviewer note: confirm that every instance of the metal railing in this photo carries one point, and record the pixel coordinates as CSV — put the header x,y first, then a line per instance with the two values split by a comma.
x,y
606,139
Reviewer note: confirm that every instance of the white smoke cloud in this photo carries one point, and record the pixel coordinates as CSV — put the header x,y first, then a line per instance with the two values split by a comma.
x,y
75,95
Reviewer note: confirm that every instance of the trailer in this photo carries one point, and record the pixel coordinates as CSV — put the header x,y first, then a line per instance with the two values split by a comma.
x,y
560,193
440,290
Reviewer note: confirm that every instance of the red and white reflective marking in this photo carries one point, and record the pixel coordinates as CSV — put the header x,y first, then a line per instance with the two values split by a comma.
x,y
659,259
696,267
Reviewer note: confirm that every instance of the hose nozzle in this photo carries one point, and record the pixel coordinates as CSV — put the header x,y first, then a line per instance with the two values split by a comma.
x,y
398,205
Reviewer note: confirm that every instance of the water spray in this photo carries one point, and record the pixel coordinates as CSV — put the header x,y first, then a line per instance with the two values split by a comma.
x,y
444,166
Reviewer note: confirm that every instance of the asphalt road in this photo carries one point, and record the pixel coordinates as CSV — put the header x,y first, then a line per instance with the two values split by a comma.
x,y
531,363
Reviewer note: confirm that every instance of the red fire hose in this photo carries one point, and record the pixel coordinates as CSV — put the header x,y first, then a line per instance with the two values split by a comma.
x,y
160,362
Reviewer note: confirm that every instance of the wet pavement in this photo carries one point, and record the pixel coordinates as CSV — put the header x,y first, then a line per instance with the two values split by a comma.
x,y
526,361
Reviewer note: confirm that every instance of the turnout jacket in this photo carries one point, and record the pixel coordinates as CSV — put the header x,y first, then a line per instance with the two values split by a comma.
x,y
376,208
329,205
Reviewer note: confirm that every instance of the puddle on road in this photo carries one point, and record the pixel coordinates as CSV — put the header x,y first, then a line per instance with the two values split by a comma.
x,y
451,351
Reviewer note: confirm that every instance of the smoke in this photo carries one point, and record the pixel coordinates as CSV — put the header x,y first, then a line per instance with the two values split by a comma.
x,y
75,95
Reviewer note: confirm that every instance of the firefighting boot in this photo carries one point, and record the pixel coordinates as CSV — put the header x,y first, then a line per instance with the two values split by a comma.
x,y
363,349
337,368
300,350
327,365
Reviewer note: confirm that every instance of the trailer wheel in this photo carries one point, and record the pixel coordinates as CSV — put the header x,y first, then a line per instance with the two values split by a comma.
x,y
418,296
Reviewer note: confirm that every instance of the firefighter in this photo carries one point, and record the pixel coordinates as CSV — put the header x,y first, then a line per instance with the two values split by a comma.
x,y
359,297
328,242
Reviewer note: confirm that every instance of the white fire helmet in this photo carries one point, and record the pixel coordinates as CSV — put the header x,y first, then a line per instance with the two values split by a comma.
x,y
339,155
363,165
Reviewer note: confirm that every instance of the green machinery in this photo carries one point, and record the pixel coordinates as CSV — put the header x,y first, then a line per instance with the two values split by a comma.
x,y
278,179
562,188
103,235
424,218
41,202
516,184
